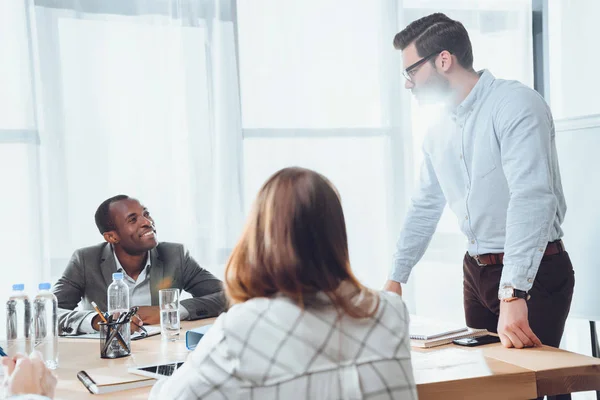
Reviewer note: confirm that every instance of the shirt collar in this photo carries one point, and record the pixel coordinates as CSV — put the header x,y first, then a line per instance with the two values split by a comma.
x,y
485,80
120,267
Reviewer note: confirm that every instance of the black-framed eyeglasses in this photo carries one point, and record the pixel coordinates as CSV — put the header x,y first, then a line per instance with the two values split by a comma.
x,y
411,70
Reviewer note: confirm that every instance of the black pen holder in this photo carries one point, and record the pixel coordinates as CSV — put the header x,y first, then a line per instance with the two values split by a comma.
x,y
115,340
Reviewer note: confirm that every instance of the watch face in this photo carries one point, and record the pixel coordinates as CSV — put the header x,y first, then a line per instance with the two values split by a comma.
x,y
505,292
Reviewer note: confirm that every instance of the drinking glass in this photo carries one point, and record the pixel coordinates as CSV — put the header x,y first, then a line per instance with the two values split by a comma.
x,y
169,314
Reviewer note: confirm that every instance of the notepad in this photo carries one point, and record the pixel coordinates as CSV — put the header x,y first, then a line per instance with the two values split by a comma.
x,y
426,332
427,329
152,331
442,340
107,380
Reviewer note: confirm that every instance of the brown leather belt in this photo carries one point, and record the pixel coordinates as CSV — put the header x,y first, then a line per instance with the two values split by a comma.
x,y
483,260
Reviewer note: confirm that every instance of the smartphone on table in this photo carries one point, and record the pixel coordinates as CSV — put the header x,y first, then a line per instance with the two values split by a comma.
x,y
478,341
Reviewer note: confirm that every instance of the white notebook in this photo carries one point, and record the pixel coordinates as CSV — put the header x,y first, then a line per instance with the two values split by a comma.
x,y
107,380
426,332
427,329
442,340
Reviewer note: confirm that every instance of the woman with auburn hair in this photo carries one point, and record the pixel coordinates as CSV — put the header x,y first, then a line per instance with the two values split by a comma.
x,y
300,325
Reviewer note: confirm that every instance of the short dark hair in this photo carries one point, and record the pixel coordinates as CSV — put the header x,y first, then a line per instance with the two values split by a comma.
x,y
103,218
437,32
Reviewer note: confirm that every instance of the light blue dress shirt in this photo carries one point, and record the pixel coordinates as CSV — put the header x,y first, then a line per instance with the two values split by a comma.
x,y
493,160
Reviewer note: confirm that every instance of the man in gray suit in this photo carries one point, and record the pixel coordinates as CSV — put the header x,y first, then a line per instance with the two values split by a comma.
x,y
131,247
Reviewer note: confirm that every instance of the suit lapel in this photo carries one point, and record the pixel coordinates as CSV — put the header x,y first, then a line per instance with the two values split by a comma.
x,y
107,264
157,271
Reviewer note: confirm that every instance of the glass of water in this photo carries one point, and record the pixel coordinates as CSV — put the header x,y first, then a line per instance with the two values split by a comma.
x,y
169,314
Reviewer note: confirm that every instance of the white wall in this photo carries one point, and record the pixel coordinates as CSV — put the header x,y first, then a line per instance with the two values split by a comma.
x,y
573,86
578,141
573,57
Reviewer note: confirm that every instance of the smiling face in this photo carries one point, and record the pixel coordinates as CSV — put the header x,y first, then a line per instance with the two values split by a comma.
x,y
134,228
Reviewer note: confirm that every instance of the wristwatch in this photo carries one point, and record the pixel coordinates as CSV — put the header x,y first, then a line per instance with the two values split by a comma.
x,y
509,293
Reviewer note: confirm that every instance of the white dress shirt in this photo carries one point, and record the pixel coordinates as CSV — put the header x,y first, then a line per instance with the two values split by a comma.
x,y
139,293
494,161
269,348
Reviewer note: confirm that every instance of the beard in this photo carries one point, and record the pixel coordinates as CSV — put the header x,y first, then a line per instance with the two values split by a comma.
x,y
435,90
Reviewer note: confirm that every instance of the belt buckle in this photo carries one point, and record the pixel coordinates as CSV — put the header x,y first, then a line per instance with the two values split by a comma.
x,y
479,262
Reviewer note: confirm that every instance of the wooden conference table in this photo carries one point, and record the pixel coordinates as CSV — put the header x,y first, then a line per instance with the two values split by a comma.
x,y
446,372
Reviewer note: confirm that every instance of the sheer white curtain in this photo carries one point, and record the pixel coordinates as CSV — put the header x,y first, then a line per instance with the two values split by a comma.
x,y
320,89
141,98
101,98
20,217
501,35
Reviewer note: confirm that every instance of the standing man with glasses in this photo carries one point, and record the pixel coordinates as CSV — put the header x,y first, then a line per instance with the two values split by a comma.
x,y
492,158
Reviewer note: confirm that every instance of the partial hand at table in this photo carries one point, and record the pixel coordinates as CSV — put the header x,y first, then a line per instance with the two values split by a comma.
x,y
149,314
513,325
28,375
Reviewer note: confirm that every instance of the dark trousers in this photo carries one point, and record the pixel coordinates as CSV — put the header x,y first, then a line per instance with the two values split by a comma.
x,y
548,306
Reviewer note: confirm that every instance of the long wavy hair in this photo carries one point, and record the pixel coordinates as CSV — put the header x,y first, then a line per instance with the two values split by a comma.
x,y
295,244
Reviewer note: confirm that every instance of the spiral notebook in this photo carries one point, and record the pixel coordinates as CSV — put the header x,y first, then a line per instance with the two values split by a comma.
x,y
108,380
426,329
425,332
442,340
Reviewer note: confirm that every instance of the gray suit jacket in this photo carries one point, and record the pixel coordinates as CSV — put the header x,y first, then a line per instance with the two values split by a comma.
x,y
89,273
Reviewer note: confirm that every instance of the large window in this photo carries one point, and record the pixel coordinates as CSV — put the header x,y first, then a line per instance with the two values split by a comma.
x,y
20,214
317,93
138,100
125,124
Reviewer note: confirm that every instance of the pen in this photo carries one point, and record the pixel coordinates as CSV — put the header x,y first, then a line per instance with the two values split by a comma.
x,y
129,318
99,312
130,313
2,353
141,327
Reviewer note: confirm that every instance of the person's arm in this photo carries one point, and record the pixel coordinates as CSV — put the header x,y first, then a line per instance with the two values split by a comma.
x,y
69,290
403,355
208,297
420,223
526,132
210,365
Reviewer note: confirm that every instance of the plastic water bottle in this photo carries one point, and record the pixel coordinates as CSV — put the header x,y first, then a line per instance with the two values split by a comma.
x,y
118,296
45,325
18,321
